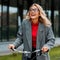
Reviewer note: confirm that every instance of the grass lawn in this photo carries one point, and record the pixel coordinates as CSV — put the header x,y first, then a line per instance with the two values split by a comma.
x,y
54,55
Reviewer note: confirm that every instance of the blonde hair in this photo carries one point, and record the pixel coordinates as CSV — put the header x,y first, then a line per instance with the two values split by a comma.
x,y
43,19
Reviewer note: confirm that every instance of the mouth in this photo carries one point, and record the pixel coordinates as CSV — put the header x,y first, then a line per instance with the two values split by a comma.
x,y
33,15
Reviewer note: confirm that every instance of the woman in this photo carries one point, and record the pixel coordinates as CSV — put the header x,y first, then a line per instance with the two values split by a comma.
x,y
36,33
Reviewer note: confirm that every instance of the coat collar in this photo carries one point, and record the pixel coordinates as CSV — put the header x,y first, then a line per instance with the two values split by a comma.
x,y
40,26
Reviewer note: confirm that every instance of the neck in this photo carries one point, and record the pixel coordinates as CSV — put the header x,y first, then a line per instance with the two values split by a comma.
x,y
34,21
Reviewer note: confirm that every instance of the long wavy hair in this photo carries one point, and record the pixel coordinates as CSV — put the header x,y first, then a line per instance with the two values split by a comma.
x,y
43,19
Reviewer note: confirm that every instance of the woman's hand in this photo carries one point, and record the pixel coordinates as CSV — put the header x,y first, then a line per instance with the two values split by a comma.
x,y
44,49
11,46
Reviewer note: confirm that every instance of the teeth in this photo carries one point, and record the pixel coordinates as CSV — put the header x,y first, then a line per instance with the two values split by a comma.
x,y
33,15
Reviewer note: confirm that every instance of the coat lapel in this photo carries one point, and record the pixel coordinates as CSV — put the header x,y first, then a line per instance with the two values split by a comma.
x,y
28,34
39,35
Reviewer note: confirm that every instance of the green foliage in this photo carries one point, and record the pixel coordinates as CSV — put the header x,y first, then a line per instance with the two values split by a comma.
x,y
12,33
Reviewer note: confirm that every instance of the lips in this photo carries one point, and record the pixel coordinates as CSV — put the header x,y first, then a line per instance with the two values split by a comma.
x,y
32,15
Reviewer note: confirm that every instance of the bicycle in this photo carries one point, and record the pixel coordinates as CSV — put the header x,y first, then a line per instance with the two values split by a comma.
x,y
28,52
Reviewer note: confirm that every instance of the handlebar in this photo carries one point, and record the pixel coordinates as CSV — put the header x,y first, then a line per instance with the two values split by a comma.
x,y
27,52
21,51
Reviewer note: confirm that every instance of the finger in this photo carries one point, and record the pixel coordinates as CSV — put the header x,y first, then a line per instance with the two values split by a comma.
x,y
44,49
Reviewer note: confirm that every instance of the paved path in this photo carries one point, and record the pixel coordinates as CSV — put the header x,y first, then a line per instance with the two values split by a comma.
x,y
5,51
4,48
57,41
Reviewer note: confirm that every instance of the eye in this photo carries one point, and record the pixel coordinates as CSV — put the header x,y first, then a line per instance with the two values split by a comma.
x,y
35,10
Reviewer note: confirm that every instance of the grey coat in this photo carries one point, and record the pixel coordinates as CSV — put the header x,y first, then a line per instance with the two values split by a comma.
x,y
45,37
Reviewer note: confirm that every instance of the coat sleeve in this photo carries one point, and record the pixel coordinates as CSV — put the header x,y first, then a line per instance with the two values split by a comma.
x,y
49,38
19,39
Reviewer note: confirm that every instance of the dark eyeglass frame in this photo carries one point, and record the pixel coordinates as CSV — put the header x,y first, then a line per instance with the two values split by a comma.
x,y
35,10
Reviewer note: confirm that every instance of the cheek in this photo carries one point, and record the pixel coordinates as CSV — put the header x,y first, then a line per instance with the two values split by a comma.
x,y
37,14
29,14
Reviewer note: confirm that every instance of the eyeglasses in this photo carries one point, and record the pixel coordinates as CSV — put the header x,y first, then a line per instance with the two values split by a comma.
x,y
35,10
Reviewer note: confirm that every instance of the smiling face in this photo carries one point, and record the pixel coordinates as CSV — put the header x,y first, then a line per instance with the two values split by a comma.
x,y
34,12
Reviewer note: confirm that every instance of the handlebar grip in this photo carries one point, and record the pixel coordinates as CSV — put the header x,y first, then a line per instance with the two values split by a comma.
x,y
12,49
41,51
48,50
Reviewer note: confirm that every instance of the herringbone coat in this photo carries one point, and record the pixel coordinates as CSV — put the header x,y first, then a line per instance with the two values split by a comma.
x,y
45,37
